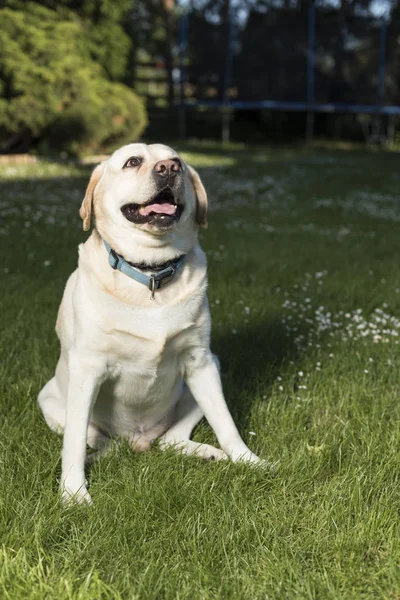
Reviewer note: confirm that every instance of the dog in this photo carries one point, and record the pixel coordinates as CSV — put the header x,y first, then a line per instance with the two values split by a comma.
x,y
134,322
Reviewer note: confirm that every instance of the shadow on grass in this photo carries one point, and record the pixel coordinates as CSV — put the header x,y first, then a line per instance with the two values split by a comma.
x,y
251,361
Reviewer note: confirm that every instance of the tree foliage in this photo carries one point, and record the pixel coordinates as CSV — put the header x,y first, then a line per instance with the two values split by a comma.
x,y
102,23
55,77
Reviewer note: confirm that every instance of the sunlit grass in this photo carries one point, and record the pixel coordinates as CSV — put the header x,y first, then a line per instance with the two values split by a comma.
x,y
303,250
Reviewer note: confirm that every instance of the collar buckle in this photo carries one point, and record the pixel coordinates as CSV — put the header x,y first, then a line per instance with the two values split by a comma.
x,y
153,281
152,287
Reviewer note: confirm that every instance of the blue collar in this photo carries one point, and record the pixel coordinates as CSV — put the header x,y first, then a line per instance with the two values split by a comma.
x,y
153,281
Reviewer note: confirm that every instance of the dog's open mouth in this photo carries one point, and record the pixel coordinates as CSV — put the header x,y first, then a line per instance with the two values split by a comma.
x,y
162,211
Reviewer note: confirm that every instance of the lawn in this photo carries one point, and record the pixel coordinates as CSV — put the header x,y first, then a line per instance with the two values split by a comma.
x,y
304,287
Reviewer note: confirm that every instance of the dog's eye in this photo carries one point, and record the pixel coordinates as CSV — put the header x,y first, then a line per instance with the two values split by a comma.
x,y
133,161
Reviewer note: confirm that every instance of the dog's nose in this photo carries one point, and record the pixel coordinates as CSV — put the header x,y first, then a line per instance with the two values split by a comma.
x,y
168,168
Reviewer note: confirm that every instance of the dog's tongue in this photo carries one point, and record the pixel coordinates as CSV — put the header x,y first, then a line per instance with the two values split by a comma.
x,y
165,208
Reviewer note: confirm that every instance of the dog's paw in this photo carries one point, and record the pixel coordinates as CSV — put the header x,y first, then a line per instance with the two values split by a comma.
x,y
73,494
244,455
217,454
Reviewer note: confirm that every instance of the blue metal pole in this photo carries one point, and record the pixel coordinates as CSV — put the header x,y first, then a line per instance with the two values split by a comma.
x,y
311,53
227,77
310,71
228,61
382,60
183,43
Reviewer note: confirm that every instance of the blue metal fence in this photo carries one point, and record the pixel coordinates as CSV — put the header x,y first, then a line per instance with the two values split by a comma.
x,y
308,106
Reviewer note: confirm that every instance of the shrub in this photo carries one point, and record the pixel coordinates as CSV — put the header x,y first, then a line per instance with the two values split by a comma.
x,y
51,88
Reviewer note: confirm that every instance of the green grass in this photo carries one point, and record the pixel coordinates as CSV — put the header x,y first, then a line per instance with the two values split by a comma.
x,y
315,388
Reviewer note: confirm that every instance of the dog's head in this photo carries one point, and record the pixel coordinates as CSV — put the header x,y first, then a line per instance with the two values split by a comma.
x,y
147,188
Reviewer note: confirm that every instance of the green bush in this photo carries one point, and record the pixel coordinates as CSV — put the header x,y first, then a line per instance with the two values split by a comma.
x,y
102,115
53,90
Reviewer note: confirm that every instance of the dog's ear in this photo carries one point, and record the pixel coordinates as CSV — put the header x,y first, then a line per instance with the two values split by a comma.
x,y
85,210
201,198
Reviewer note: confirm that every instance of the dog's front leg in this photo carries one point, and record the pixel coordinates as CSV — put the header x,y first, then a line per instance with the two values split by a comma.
x,y
84,383
203,379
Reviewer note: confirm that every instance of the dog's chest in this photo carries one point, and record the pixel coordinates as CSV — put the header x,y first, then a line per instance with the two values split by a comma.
x,y
144,349
145,344
144,372
136,331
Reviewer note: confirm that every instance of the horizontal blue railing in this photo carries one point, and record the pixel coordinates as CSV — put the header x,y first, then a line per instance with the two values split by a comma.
x,y
297,106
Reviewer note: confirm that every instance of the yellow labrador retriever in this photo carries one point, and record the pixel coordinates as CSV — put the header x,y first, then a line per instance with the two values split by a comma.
x,y
134,322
